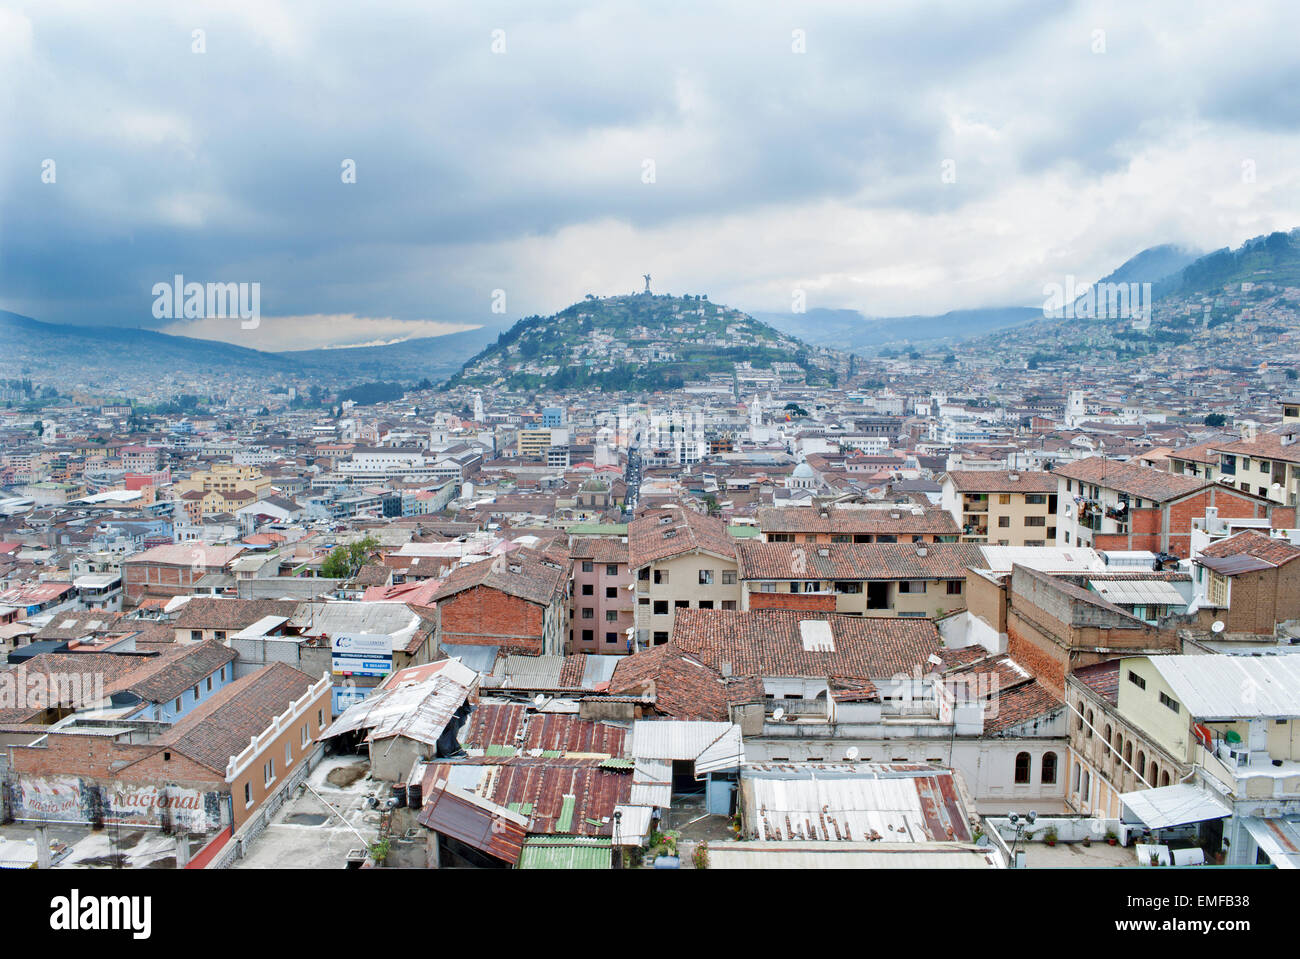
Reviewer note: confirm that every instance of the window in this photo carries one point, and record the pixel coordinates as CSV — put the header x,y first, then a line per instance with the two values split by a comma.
x,y
848,587
706,604
268,771
196,635
196,691
729,604
1048,775
178,706
248,795
222,675
1136,680
220,634
288,755
661,607
588,636
728,577
611,592
660,637
912,586
209,684
611,637
1022,769
706,577
1035,520
1004,522
1035,499
1171,703
320,719
955,587
611,569
588,566
681,604
588,613
588,589
611,616
661,577
304,736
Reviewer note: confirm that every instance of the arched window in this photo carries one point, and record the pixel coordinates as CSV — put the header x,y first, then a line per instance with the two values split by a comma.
x,y
1022,768
1048,774
1155,773
1141,766
1087,730
1128,752
1164,778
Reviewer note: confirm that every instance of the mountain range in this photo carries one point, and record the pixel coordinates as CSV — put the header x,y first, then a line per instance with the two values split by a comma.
x,y
48,351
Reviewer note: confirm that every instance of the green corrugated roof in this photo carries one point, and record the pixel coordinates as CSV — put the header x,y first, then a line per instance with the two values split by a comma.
x,y
615,762
598,529
565,822
497,749
565,852
523,808
743,532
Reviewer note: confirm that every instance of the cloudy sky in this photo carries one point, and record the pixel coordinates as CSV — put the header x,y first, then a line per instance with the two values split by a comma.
x,y
893,158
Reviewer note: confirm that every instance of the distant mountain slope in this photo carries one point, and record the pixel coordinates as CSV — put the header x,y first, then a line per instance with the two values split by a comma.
x,y
1153,265
435,357
639,341
1274,258
30,341
29,344
849,330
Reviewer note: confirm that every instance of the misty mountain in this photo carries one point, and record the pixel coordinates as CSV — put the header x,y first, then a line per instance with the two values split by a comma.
x,y
31,346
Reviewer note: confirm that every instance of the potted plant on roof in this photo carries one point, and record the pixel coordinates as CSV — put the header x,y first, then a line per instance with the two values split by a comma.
x,y
1049,836
1111,838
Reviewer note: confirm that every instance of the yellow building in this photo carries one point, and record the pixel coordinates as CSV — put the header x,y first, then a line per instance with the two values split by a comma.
x,y
1002,507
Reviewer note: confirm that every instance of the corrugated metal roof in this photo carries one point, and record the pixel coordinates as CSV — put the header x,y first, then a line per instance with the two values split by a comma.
x,y
1233,687
598,669
566,852
725,752
415,710
481,659
475,821
674,739
633,824
848,855
1143,592
1279,839
529,672
1176,805
900,804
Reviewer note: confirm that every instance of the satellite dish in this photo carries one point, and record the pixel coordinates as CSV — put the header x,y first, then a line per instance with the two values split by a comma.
x,y
539,700
1217,626
778,714
851,754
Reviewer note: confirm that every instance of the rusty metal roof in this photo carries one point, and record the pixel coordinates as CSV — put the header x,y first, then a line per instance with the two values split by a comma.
x,y
554,795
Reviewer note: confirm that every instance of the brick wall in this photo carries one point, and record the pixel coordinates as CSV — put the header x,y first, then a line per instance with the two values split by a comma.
x,y
488,617
813,602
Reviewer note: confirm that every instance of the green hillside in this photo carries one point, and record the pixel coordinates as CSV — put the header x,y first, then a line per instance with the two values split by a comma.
x,y
636,342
